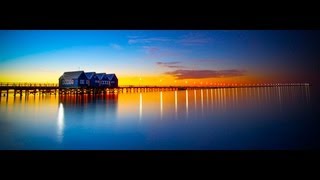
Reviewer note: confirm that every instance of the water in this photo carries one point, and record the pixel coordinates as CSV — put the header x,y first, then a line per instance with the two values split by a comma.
x,y
215,119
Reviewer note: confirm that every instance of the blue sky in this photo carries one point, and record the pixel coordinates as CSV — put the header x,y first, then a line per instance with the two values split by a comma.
x,y
155,53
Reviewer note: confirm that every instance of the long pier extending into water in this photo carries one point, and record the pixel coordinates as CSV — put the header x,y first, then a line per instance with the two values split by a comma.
x,y
49,88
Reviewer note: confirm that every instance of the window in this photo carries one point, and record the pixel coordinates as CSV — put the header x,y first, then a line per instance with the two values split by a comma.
x,y
81,81
67,82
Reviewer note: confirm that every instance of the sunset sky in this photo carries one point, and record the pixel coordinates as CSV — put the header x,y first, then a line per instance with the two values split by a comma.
x,y
162,57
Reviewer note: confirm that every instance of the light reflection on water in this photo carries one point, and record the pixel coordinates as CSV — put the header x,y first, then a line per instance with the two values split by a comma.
x,y
60,122
229,118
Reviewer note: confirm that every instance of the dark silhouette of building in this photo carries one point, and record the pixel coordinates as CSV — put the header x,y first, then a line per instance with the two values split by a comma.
x,y
81,79
73,79
93,80
113,80
103,80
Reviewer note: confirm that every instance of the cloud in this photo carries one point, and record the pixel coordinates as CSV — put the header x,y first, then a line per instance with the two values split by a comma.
x,y
194,39
199,74
136,40
116,46
170,64
189,39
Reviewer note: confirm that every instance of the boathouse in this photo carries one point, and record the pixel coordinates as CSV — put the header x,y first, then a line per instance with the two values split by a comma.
x,y
93,80
112,80
73,79
103,80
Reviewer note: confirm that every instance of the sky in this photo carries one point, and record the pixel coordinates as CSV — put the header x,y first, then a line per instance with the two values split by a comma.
x,y
162,57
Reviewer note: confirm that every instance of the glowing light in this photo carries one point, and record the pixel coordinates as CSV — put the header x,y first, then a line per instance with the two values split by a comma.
x,y
211,98
60,122
187,104
161,105
195,99
202,100
175,103
140,107
207,97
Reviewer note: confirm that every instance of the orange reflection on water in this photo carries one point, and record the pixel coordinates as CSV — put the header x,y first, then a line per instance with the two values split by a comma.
x,y
157,105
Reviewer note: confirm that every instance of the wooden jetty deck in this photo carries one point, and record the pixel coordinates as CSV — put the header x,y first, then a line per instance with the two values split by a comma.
x,y
53,89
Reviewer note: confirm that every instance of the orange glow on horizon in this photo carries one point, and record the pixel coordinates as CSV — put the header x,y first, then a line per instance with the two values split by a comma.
x,y
149,80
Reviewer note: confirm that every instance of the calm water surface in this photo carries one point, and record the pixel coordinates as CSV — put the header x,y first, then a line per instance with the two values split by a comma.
x,y
217,119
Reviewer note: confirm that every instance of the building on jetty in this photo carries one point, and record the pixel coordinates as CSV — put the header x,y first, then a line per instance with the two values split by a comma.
x,y
113,80
81,79
93,80
103,80
73,79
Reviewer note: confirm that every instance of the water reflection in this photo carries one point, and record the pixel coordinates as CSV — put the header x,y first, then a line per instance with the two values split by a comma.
x,y
279,95
202,101
176,104
207,98
112,120
307,93
90,107
60,123
161,106
211,98
187,104
140,107
233,98
224,98
195,99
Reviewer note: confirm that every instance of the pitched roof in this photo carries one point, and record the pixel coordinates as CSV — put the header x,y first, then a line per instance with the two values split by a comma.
x,y
72,74
100,75
110,76
90,74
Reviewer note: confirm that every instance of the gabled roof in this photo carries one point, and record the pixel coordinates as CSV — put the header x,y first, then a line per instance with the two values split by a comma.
x,y
100,75
90,74
110,76
72,74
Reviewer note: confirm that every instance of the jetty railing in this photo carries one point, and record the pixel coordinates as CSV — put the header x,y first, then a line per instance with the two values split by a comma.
x,y
22,84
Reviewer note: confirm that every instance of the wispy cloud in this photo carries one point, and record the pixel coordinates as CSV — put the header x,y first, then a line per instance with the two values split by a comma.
x,y
116,46
170,64
136,40
194,39
200,74
189,39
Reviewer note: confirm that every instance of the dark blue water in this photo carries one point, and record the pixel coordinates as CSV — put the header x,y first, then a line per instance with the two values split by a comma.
x,y
218,119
